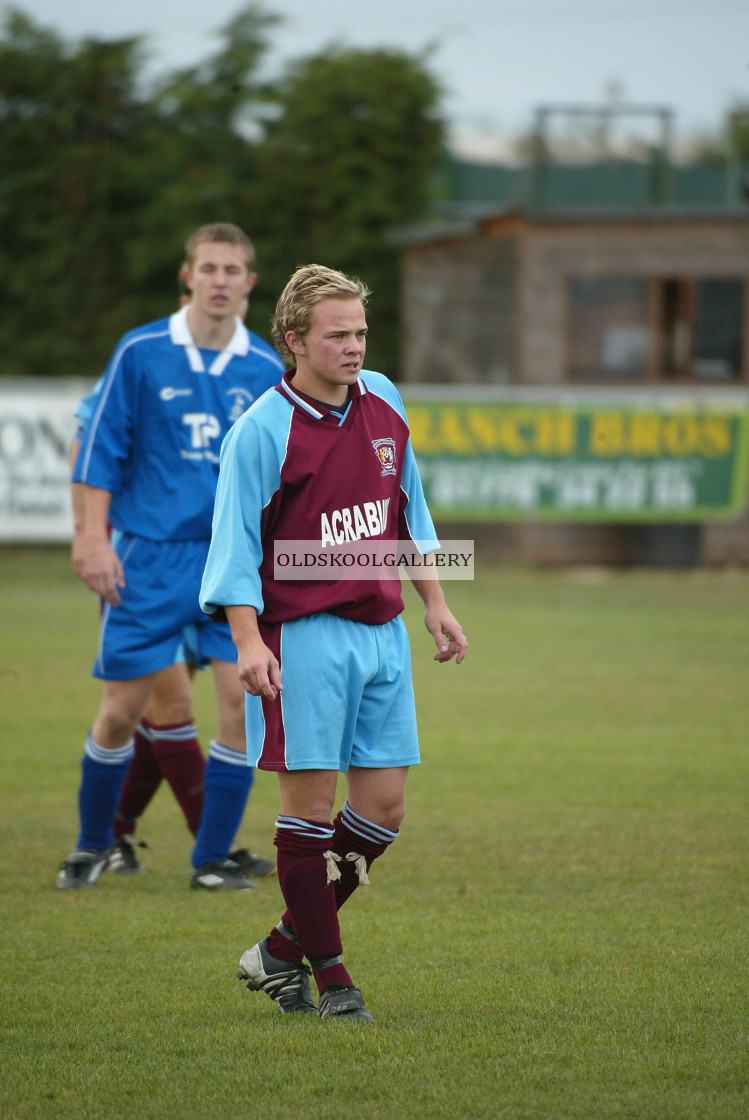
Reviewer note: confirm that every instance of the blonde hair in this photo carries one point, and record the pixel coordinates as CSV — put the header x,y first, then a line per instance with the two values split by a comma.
x,y
310,285
220,231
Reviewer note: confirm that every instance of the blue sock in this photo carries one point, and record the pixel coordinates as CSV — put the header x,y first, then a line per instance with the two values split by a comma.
x,y
104,772
227,784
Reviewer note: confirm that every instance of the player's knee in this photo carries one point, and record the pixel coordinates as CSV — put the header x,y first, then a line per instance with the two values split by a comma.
x,y
171,699
384,811
392,817
169,711
115,724
231,729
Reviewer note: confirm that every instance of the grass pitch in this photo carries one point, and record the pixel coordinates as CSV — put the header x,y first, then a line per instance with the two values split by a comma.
x,y
559,933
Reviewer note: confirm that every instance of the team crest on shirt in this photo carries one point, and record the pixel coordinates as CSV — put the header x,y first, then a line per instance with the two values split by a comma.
x,y
385,449
241,400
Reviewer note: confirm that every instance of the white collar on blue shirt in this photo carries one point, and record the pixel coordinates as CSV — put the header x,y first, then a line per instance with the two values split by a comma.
x,y
179,332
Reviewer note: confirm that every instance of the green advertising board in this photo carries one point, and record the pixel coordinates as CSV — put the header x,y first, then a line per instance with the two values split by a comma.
x,y
586,462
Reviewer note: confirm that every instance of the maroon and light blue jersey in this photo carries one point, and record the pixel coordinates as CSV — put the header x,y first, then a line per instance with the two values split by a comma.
x,y
292,470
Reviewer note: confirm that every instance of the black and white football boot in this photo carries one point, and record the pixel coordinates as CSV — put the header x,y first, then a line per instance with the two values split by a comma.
x,y
286,982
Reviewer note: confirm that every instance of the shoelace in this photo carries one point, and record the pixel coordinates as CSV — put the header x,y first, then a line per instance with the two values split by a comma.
x,y
332,859
360,865
331,871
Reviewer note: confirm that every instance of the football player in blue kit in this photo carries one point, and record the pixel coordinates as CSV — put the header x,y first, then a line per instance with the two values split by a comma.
x,y
166,740
148,465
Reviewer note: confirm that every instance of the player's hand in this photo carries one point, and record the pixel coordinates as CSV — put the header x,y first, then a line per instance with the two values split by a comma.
x,y
447,632
101,568
259,670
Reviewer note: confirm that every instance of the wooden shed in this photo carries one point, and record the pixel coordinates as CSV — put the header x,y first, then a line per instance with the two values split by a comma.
x,y
575,297
654,300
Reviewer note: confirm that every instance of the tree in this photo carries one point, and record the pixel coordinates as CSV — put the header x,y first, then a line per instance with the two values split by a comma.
x,y
67,191
210,109
348,157
101,180
101,183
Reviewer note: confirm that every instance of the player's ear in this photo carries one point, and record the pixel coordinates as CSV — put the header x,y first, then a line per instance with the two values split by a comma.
x,y
294,342
251,281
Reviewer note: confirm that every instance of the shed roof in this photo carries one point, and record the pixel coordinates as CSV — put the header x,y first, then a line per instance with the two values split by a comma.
x,y
475,221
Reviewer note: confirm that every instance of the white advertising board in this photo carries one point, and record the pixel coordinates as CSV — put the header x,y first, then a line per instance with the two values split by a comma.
x,y
37,423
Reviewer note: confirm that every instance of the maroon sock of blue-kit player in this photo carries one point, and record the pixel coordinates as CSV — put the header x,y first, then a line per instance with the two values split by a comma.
x,y
309,895
142,781
182,762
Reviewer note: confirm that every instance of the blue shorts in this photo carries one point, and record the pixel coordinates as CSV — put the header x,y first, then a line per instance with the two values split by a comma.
x,y
347,697
144,633
190,648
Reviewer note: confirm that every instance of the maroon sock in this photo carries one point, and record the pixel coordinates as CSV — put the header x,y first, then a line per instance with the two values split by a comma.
x,y
303,878
283,943
142,781
182,762
345,843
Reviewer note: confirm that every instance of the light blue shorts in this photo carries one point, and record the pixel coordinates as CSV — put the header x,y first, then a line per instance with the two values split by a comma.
x,y
145,632
190,649
347,697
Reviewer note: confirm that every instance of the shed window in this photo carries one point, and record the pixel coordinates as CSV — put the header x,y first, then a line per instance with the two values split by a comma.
x,y
632,329
609,329
718,329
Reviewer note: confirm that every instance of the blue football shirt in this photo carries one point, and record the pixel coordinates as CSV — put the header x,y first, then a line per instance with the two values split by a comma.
x,y
163,409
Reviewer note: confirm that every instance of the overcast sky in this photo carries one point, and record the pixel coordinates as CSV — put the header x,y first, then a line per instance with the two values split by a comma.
x,y
497,59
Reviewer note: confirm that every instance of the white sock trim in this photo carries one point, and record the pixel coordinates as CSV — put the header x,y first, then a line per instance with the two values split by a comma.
x,y
227,754
117,757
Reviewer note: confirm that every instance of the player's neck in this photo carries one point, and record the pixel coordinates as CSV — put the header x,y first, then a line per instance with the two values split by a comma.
x,y
209,333
319,389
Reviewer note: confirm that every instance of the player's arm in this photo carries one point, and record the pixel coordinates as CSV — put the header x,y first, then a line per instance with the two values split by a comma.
x,y
441,622
77,502
83,414
257,666
415,523
101,565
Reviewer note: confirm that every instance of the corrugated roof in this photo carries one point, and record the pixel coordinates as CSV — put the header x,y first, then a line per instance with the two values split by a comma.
x,y
620,184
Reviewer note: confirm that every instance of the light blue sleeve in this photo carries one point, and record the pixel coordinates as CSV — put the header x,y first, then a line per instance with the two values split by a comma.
x,y
418,520
249,475
86,406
